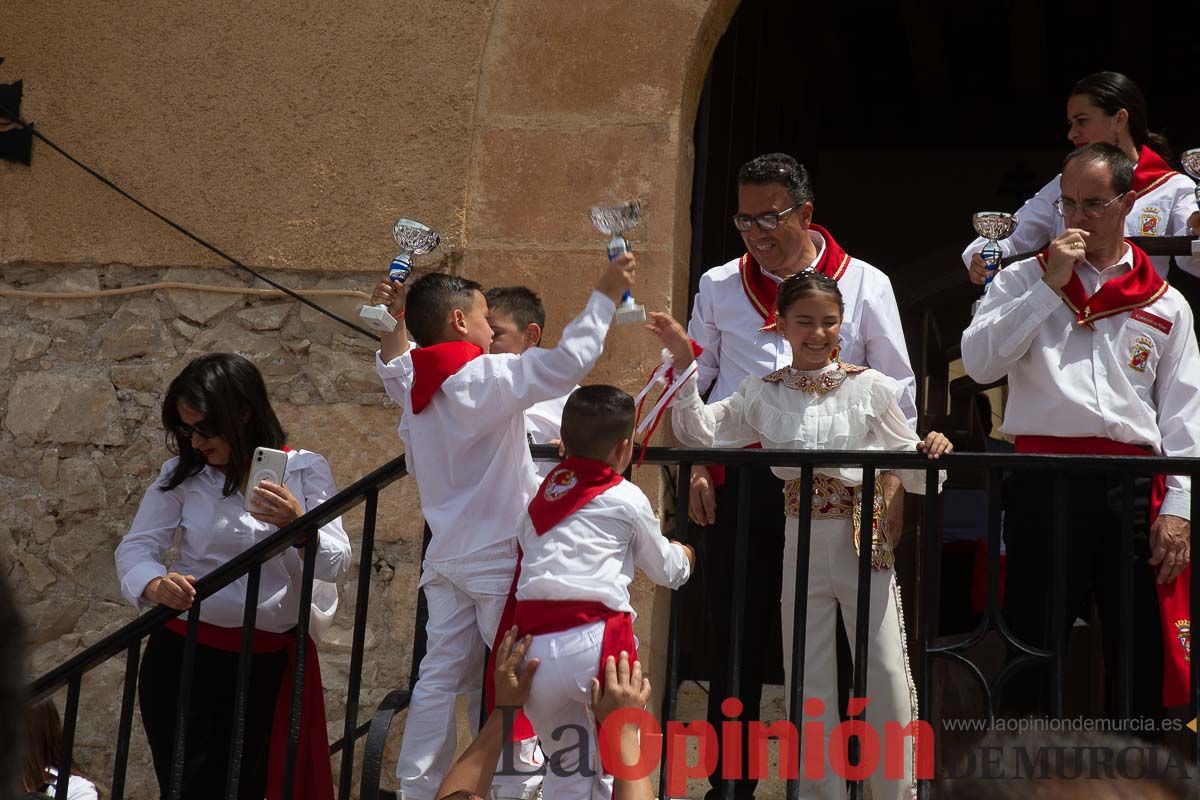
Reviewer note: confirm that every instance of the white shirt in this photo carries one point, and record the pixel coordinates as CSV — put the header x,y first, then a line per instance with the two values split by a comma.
x,y
727,326
590,555
79,789
863,413
467,449
1065,379
215,529
543,424
1161,211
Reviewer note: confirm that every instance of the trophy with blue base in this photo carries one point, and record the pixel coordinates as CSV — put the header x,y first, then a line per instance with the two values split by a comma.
x,y
995,226
616,221
413,239
1191,165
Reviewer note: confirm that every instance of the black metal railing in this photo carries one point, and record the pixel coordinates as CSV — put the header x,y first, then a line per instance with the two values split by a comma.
x,y
128,641
929,646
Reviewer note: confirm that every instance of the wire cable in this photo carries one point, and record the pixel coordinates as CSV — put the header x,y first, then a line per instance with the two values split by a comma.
x,y
17,119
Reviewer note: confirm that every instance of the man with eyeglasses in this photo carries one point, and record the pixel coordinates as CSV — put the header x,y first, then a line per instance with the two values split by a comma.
x,y
1101,358
733,319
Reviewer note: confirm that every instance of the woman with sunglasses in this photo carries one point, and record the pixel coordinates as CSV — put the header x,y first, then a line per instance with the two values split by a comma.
x,y
1109,107
215,413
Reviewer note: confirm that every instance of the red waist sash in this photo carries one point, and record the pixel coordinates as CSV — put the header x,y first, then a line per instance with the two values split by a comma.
x,y
540,617
1174,598
314,776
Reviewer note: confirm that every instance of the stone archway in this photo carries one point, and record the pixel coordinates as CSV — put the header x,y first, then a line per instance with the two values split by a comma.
x,y
580,103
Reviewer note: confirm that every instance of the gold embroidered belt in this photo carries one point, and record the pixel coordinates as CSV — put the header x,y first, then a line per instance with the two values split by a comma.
x,y
832,499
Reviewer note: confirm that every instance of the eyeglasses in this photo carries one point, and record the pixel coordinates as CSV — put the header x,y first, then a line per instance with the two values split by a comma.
x,y
202,428
766,222
1091,208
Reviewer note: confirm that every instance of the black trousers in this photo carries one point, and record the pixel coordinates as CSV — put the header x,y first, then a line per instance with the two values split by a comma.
x,y
1093,568
209,723
761,658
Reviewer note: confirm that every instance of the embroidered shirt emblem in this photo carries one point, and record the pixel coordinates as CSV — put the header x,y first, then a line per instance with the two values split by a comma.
x,y
1183,630
561,482
1150,217
1140,354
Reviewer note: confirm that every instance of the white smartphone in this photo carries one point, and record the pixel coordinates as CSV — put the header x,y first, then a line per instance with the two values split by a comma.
x,y
265,465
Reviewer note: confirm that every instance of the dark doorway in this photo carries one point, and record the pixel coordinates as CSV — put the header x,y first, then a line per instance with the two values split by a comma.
x,y
911,116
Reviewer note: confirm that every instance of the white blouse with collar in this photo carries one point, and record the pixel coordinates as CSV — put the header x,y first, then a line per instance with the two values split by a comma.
x,y
214,529
833,408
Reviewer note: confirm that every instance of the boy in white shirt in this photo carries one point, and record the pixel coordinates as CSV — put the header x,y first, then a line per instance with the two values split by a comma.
x,y
463,429
586,530
518,320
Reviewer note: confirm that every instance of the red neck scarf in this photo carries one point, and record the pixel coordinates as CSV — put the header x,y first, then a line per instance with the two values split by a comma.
x,y
1139,287
762,292
1150,172
433,365
569,487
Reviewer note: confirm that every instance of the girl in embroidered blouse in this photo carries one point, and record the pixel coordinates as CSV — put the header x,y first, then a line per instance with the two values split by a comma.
x,y
215,413
818,403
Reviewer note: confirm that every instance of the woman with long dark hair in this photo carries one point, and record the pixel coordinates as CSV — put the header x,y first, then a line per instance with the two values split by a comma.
x,y
43,752
1109,107
215,413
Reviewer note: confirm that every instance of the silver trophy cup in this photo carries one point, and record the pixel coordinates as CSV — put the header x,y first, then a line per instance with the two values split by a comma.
x,y
616,220
1191,165
994,226
413,239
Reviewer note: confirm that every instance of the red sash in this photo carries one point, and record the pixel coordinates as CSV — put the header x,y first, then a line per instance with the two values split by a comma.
x,y
314,776
1174,598
1150,172
569,486
433,365
1139,287
762,292
539,617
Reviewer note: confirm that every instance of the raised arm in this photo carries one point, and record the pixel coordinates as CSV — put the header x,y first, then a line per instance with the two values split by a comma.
x,y
1010,315
1037,224
703,330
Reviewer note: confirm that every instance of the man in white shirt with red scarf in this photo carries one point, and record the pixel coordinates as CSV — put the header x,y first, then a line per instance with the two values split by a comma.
x,y
1101,358
733,320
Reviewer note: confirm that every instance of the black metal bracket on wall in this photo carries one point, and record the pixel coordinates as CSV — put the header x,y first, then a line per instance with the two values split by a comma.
x,y
16,143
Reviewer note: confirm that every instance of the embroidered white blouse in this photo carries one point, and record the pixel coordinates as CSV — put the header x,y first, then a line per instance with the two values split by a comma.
x,y
726,325
846,411
214,529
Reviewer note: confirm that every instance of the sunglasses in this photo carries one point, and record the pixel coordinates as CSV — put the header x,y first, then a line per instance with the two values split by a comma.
x,y
202,428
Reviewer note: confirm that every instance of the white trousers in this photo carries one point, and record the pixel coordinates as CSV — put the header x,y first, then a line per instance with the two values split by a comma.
x,y
466,598
833,581
560,708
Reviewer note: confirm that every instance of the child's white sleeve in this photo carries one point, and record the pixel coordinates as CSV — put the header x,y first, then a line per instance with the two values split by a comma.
x,y
397,374
891,427
509,385
721,424
663,562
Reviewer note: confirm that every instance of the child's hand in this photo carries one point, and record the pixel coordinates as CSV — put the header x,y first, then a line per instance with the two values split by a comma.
x,y
618,278
391,294
673,337
935,445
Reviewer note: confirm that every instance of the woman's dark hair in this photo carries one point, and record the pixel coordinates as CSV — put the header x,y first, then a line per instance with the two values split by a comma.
x,y
1112,91
43,745
803,284
228,392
